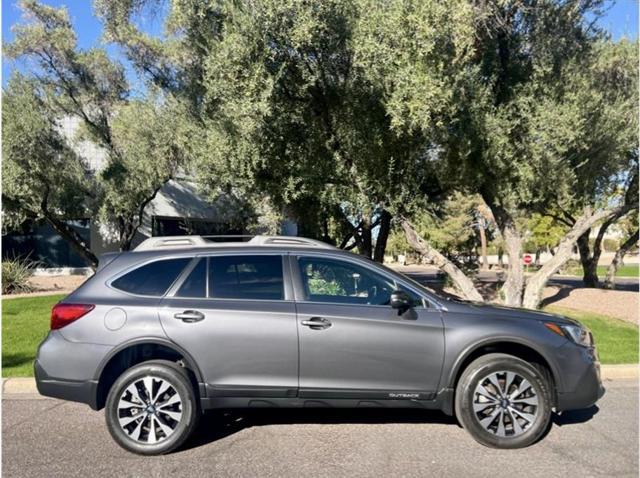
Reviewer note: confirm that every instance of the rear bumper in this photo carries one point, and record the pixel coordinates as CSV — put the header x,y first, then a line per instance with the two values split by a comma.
x,y
68,370
75,391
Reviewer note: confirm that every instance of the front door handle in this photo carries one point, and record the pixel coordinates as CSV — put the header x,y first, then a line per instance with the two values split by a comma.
x,y
190,316
317,323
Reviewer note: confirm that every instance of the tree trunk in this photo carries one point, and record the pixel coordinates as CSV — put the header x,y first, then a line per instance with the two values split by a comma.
x,y
383,235
483,248
610,281
536,283
366,245
589,265
514,284
463,283
73,238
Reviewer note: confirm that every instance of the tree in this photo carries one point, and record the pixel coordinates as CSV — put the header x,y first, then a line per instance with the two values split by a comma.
x,y
545,233
519,96
294,115
155,139
42,177
91,86
629,226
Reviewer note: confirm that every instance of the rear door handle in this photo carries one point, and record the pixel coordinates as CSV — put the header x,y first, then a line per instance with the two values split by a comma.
x,y
190,316
317,323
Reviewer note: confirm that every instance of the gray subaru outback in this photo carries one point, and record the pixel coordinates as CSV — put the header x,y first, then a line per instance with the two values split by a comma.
x,y
183,324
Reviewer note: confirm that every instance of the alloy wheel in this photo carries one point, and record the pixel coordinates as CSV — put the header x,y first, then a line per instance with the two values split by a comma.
x,y
505,404
149,410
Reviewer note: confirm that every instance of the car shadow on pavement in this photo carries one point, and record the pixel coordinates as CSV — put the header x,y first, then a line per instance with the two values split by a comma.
x,y
218,424
574,417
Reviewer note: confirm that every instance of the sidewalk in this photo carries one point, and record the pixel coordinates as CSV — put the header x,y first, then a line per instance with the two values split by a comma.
x,y
25,387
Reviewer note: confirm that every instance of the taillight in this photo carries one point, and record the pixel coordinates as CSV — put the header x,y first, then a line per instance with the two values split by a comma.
x,y
64,314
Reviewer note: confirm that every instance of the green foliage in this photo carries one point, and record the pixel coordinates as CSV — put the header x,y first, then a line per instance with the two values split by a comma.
x,y
543,232
154,138
319,285
145,141
41,174
16,273
397,243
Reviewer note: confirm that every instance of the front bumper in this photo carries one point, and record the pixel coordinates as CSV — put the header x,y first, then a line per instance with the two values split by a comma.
x,y
589,388
75,391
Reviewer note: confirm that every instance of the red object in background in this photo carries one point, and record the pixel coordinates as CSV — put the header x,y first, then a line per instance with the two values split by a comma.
x,y
527,259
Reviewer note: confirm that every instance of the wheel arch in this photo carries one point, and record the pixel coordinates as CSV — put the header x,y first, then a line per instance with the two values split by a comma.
x,y
137,351
508,345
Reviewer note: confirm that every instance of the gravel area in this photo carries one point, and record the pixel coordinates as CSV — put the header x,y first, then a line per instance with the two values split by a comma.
x,y
612,303
47,285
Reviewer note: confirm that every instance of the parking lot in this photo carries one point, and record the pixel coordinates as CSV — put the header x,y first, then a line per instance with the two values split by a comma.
x,y
44,438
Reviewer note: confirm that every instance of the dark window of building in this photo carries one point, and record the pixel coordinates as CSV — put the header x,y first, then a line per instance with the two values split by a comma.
x,y
152,279
246,277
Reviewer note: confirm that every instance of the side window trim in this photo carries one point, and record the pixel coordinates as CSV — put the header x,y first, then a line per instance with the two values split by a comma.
x,y
175,287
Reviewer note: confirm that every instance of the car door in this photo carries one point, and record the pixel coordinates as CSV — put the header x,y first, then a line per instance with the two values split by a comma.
x,y
353,344
235,315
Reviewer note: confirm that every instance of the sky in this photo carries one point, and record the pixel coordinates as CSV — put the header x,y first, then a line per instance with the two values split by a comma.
x,y
621,19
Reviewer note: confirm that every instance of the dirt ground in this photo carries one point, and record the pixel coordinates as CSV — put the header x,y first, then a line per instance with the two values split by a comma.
x,y
46,285
612,303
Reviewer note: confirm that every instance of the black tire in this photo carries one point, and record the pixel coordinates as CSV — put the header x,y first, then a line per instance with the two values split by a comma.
x,y
178,378
484,367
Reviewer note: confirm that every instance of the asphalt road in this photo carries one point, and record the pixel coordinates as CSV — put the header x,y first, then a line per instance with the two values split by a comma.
x,y
47,438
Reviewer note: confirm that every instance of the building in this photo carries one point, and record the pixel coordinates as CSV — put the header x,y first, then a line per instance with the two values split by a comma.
x,y
177,209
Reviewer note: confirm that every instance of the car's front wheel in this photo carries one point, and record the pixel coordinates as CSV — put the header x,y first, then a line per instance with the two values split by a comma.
x,y
504,401
151,409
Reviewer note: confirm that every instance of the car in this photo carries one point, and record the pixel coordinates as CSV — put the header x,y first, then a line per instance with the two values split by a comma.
x,y
185,324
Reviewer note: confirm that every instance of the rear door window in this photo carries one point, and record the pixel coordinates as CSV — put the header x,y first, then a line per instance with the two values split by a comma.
x,y
246,277
152,279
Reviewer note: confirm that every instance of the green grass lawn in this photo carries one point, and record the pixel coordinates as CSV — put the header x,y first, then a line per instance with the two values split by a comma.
x,y
616,340
628,270
25,322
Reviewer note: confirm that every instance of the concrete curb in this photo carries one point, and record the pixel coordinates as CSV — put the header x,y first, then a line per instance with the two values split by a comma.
x,y
25,387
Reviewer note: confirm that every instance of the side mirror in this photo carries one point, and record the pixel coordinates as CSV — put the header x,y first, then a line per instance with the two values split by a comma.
x,y
401,301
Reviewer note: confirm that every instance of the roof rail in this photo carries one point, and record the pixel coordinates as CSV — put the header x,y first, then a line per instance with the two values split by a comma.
x,y
168,242
289,241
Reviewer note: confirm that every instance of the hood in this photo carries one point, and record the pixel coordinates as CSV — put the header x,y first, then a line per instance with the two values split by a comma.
x,y
497,311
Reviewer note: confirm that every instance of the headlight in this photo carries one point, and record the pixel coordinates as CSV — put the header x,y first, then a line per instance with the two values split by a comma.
x,y
578,334
575,333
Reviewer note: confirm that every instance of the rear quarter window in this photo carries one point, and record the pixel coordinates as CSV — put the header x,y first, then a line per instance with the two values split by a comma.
x,y
152,279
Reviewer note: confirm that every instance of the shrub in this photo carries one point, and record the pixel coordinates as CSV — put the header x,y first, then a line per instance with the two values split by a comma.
x,y
570,266
15,275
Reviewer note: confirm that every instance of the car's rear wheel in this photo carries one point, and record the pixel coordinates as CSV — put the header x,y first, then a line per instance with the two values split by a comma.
x,y
151,409
503,401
